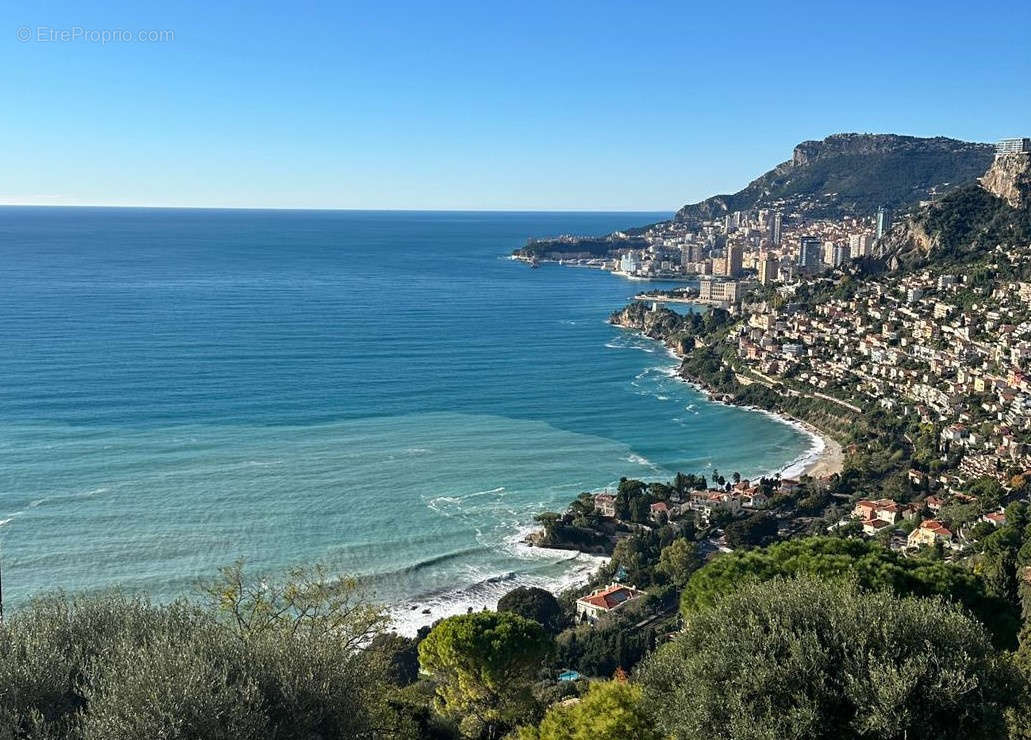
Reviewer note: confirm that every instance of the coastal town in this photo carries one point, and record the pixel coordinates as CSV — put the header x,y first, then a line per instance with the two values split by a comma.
x,y
932,361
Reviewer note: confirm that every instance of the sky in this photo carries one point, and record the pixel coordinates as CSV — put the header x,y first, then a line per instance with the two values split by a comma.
x,y
478,105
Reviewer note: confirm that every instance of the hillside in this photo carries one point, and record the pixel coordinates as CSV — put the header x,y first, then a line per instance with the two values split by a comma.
x,y
848,174
970,221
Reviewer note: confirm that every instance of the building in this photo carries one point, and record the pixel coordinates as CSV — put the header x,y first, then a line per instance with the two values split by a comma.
x,y
883,221
1013,146
605,503
840,254
809,254
735,257
602,601
776,221
767,268
724,292
860,245
659,511
930,532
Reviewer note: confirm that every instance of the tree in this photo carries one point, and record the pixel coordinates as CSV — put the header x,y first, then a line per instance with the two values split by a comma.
x,y
536,604
307,603
108,666
611,710
752,530
399,656
678,561
483,665
628,491
867,564
804,658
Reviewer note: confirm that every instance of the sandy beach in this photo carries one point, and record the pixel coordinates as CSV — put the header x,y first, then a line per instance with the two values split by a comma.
x,y
830,459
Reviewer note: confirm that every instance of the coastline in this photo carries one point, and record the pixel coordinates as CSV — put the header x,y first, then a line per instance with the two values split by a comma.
x,y
826,457
829,460
823,458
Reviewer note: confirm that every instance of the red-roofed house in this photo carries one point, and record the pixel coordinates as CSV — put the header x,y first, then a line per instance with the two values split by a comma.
x,y
873,526
602,601
930,532
864,509
998,518
658,511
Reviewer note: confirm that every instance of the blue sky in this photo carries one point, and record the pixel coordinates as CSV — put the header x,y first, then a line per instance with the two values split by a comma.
x,y
487,105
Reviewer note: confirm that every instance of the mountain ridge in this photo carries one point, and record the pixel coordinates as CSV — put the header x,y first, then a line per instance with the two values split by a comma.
x,y
851,174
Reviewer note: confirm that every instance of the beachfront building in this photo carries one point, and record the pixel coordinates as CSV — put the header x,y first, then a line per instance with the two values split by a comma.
x,y
602,601
723,292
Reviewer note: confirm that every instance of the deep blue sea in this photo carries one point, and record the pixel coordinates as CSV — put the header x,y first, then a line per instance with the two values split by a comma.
x,y
384,392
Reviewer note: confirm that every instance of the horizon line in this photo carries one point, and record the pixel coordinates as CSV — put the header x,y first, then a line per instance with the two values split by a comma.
x,y
332,209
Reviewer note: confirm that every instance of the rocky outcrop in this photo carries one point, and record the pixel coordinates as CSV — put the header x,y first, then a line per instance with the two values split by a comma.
x,y
1009,178
660,324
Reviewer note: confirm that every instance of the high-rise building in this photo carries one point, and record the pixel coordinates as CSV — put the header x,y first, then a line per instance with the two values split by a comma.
x,y
809,249
828,253
776,221
883,221
1013,146
767,268
841,254
735,257
859,245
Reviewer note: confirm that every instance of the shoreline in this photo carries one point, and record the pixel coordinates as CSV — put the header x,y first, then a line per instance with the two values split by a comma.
x,y
823,458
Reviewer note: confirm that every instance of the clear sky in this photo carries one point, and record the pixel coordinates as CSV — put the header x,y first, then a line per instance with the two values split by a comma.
x,y
482,105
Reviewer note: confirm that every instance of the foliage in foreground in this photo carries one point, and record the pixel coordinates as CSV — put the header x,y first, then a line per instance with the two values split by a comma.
x,y
806,658
483,664
112,666
610,710
867,564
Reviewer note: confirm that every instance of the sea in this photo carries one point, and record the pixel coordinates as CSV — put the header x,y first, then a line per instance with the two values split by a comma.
x,y
385,393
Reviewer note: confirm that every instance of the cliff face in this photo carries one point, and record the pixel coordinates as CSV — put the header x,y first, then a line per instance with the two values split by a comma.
x,y
853,174
1009,178
970,220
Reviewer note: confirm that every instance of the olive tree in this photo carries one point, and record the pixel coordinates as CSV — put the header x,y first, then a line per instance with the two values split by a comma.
x,y
806,658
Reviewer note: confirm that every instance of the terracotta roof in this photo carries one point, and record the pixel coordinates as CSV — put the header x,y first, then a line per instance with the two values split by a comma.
x,y
876,523
611,597
935,526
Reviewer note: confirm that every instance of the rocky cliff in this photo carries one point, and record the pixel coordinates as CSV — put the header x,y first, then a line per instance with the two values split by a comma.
x,y
662,325
972,219
853,174
1009,178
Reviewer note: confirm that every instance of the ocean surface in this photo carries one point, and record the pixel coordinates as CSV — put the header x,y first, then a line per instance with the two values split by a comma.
x,y
382,392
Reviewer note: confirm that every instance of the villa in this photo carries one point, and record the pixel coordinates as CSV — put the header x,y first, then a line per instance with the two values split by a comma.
x,y
602,601
930,532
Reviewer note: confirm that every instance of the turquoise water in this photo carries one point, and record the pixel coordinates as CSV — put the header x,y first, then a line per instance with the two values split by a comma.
x,y
382,392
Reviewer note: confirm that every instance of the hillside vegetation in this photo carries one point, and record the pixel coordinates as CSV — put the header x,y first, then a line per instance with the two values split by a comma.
x,y
853,174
